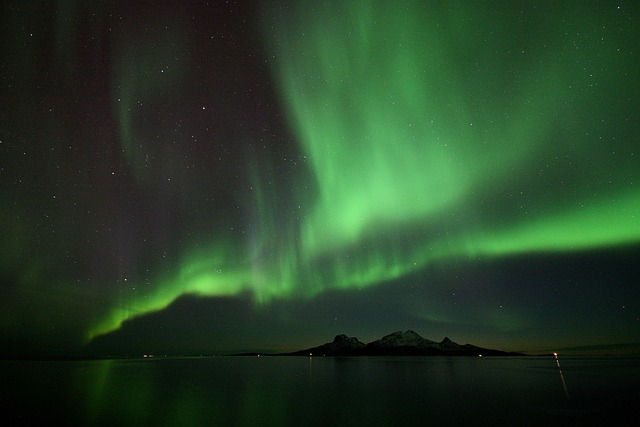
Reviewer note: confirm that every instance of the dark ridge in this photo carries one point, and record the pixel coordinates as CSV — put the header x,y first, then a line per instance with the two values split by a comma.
x,y
407,343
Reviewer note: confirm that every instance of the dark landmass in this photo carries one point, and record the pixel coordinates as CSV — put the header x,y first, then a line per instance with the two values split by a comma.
x,y
407,343
398,343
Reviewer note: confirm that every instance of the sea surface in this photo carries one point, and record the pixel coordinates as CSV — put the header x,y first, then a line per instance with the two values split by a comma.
x,y
323,391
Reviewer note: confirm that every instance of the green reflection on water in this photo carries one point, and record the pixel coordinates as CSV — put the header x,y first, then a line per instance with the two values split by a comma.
x,y
178,392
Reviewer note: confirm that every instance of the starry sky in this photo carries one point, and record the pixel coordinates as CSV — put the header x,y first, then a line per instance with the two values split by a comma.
x,y
206,177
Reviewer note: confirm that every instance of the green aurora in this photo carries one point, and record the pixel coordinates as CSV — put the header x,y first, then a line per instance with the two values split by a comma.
x,y
429,132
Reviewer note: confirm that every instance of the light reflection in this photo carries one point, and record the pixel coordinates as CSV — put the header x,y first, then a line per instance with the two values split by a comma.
x,y
564,384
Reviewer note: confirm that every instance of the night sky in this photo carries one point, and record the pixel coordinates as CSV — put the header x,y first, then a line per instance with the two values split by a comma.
x,y
187,177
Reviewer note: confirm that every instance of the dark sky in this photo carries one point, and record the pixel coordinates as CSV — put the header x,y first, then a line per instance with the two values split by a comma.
x,y
203,177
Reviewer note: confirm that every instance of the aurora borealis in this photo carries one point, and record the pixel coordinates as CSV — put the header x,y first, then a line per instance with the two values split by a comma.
x,y
223,177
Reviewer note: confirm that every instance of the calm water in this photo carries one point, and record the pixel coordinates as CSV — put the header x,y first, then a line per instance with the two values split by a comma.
x,y
323,391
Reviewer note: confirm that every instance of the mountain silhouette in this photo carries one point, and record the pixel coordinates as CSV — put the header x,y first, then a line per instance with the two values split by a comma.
x,y
399,343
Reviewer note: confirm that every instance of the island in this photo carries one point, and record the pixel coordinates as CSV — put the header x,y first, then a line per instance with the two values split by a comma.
x,y
399,343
